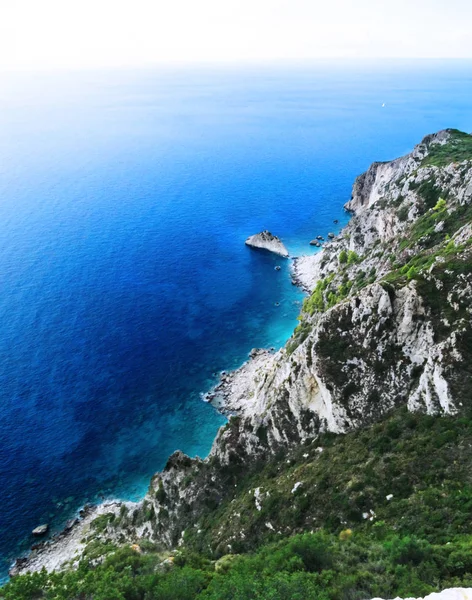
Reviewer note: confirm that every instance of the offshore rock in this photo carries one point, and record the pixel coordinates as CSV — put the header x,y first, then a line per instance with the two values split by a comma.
x,y
40,530
266,241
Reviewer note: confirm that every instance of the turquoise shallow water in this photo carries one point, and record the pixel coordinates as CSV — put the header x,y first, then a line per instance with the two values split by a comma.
x,y
125,200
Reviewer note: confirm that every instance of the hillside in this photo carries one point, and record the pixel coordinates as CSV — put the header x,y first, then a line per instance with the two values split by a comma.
x,y
357,430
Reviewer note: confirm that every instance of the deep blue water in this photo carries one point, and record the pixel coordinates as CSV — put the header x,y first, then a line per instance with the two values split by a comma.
x,y
125,200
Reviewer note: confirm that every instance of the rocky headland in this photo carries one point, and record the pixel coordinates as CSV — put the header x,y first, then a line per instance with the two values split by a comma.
x,y
386,328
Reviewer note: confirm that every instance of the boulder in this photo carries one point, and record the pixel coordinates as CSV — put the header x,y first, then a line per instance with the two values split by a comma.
x,y
40,530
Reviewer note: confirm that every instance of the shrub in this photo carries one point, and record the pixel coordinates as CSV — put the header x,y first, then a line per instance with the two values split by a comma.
x,y
403,213
353,258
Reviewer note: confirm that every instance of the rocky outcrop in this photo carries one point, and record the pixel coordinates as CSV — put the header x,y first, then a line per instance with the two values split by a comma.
x,y
387,323
375,182
67,546
449,594
266,241
40,530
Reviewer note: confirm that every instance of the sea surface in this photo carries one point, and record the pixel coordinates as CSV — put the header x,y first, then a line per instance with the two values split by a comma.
x,y
125,285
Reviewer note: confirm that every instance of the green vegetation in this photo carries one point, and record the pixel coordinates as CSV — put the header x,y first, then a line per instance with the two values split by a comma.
x,y
349,258
403,213
101,522
299,336
440,205
353,258
429,192
427,232
425,462
446,261
327,295
316,302
363,544
457,149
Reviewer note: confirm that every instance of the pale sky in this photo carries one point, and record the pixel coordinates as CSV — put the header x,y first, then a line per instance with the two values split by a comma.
x,y
38,34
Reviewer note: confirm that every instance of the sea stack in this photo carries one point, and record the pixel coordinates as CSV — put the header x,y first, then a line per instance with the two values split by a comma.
x,y
40,530
266,241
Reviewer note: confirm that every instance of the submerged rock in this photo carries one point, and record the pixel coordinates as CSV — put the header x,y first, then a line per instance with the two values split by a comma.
x,y
266,241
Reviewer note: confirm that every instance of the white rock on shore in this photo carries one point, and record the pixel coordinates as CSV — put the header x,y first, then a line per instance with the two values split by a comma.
x,y
449,594
307,270
235,392
266,241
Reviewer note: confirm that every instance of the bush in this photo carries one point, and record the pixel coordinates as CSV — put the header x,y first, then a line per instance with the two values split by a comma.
x,y
313,549
408,550
403,213
353,258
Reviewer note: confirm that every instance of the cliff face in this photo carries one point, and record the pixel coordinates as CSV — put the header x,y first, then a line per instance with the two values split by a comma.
x,y
388,320
388,323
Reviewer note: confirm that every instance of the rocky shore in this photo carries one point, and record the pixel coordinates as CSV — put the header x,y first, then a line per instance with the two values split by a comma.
x,y
232,395
64,548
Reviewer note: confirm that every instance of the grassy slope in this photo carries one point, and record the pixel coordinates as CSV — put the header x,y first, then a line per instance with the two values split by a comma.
x,y
418,541
457,149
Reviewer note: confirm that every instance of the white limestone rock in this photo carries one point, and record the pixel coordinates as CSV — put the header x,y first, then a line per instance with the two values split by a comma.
x,y
448,594
266,241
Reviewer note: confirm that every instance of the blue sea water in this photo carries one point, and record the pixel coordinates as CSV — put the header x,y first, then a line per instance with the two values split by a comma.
x,y
125,200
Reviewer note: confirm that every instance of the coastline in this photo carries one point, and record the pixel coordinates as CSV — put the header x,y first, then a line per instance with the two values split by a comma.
x,y
64,548
369,343
231,396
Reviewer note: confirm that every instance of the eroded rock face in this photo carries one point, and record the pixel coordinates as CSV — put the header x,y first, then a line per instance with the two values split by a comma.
x,y
266,241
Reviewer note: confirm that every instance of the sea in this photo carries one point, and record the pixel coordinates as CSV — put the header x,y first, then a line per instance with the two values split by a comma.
x,y
125,284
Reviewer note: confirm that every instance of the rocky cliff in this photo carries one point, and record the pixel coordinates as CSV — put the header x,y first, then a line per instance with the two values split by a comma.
x,y
387,324
388,319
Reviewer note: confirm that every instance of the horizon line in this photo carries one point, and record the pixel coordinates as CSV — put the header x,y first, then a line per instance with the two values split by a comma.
x,y
230,63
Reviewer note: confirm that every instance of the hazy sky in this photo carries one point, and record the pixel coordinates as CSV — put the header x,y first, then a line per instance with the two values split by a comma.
x,y
84,33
